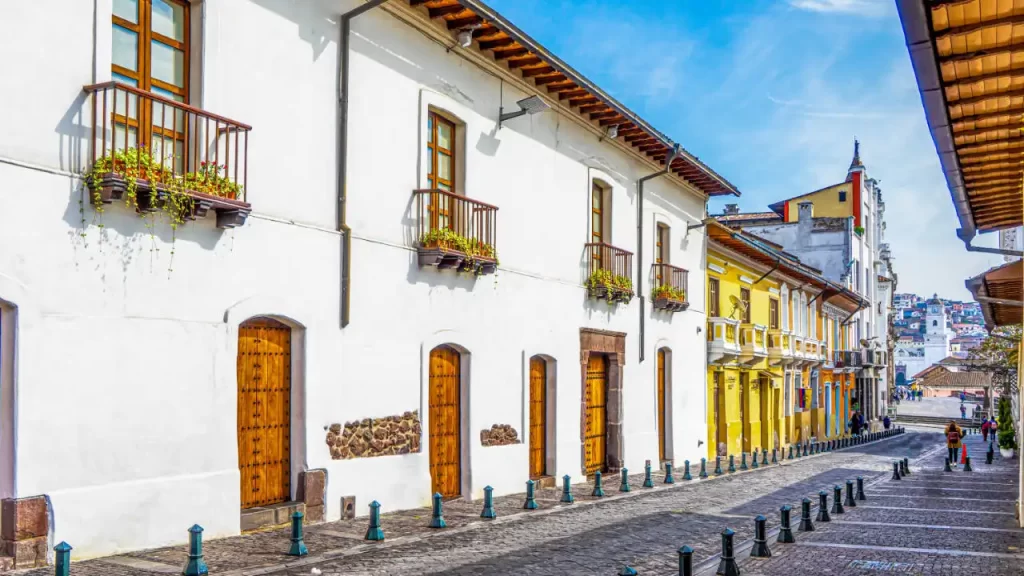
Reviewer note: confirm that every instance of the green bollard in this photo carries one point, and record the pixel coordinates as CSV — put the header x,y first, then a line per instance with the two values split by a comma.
x,y
774,459
686,561
648,481
837,500
860,488
896,471
805,516
790,453
850,501
727,565
823,507
531,501
668,474
906,466
686,471
967,464
718,466
374,531
732,463
598,486
624,480
63,559
195,566
760,548
488,511
753,460
437,515
298,547
703,468
764,461
566,492
785,530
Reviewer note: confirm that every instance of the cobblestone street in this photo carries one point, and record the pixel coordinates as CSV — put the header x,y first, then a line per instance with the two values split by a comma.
x,y
919,523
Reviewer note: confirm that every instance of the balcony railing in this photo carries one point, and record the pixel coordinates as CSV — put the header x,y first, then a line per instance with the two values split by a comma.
x,y
723,339
157,153
780,347
753,343
453,231
668,290
609,272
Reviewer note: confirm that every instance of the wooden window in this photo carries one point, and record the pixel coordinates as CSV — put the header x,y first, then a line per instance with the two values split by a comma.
x,y
661,251
150,51
745,298
773,314
440,152
713,308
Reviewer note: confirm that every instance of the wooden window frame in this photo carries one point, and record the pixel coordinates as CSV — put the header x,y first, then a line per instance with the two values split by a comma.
x,y
661,250
745,298
433,119
714,295
773,313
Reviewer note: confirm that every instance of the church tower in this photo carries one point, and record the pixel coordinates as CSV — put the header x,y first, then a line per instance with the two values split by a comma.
x,y
936,338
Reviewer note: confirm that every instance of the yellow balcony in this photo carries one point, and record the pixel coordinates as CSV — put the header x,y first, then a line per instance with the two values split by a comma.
x,y
723,340
753,343
780,347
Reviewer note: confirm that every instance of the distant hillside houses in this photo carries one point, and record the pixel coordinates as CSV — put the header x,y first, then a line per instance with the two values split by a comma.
x,y
929,330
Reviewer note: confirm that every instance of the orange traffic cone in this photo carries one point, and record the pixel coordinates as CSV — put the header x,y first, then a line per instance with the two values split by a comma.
x,y
963,453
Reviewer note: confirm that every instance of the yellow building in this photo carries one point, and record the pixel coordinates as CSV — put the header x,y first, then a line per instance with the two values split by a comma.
x,y
775,330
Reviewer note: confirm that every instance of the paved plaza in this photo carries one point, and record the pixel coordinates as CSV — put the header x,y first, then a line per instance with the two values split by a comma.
x,y
928,523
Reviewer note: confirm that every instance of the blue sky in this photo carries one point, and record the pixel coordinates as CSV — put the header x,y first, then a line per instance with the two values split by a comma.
x,y
770,94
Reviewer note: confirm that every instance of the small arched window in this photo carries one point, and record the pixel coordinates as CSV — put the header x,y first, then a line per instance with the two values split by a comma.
x,y
935,322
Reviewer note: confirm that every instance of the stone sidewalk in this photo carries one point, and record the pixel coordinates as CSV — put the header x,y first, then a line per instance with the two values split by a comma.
x,y
643,527
929,523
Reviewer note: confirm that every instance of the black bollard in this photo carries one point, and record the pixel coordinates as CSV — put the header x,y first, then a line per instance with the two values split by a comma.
x,y
63,555
196,566
775,451
727,566
648,480
989,455
785,530
805,516
598,486
760,548
807,447
686,561
764,460
703,468
437,514
837,500
298,547
906,466
374,532
790,452
566,491
896,471
669,479
903,468
488,511
732,463
967,464
531,502
849,495
743,461
947,468
624,480
718,465
823,507
686,471
860,489
754,460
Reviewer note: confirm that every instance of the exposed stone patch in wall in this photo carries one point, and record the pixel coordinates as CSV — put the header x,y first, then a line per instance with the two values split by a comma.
x,y
826,224
371,437
499,435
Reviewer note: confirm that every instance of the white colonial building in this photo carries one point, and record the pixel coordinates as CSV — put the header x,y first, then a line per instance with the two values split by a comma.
x,y
936,344
279,286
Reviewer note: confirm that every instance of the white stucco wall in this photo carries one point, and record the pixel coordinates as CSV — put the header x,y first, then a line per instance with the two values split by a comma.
x,y
124,384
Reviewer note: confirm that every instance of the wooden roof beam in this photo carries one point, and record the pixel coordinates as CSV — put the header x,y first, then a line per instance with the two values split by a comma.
x,y
954,30
549,78
578,93
496,43
456,23
583,101
562,86
599,107
445,10
536,71
980,117
612,120
994,95
510,52
603,114
530,60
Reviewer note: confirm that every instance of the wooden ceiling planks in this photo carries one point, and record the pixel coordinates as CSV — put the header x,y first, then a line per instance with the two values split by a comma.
x,y
545,73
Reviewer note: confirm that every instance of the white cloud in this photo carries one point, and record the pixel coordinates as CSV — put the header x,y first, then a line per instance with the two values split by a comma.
x,y
872,8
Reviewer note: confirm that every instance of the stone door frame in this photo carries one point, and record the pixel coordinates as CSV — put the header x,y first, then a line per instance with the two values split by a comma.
x,y
612,345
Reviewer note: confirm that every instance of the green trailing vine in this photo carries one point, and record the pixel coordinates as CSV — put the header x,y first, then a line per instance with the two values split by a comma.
x,y
859,230
614,284
666,291
166,192
474,249
1007,436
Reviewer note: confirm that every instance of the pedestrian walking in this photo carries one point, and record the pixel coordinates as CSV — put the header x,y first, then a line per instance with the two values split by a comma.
x,y
855,423
984,430
953,436
962,397
886,422
963,412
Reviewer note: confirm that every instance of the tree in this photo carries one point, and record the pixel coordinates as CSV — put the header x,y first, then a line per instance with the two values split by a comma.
x,y
997,356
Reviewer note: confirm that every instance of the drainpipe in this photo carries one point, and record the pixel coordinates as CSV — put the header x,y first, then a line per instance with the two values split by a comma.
x,y
985,249
342,223
672,154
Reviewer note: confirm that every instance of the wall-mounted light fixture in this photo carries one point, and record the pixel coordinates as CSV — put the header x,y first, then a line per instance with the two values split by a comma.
x,y
465,37
612,131
532,105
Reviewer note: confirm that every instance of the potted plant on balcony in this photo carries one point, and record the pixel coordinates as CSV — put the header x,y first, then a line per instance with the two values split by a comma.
x,y
1006,436
858,230
666,297
603,284
445,248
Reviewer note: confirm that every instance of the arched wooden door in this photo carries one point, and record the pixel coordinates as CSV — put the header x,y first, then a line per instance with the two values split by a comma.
x,y
264,411
596,425
538,417
662,409
445,435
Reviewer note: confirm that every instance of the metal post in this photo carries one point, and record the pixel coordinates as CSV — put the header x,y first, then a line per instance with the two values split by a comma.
x,y
63,559
906,466
760,548
896,471
648,481
686,471
624,480
703,468
837,500
967,464
598,486
989,454
531,502
732,463
718,465
374,531
437,517
947,468
753,459
805,516
775,451
785,530
686,561
298,547
823,507
764,460
566,491
727,566
790,451
196,566
849,495
669,479
860,488
743,461
488,511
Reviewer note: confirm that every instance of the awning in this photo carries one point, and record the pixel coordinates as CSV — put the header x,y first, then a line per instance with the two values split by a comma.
x,y
767,374
1000,291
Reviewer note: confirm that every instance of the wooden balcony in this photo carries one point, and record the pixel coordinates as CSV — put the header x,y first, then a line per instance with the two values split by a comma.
x,y
455,232
723,340
609,272
780,347
159,154
753,343
668,290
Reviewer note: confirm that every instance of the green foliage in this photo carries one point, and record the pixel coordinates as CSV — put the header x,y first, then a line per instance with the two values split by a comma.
x,y
1006,434
859,230
447,239
614,284
666,291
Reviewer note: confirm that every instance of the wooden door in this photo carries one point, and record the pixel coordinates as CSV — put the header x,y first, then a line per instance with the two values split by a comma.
x,y
744,412
538,416
445,433
662,425
766,402
595,399
720,425
264,411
